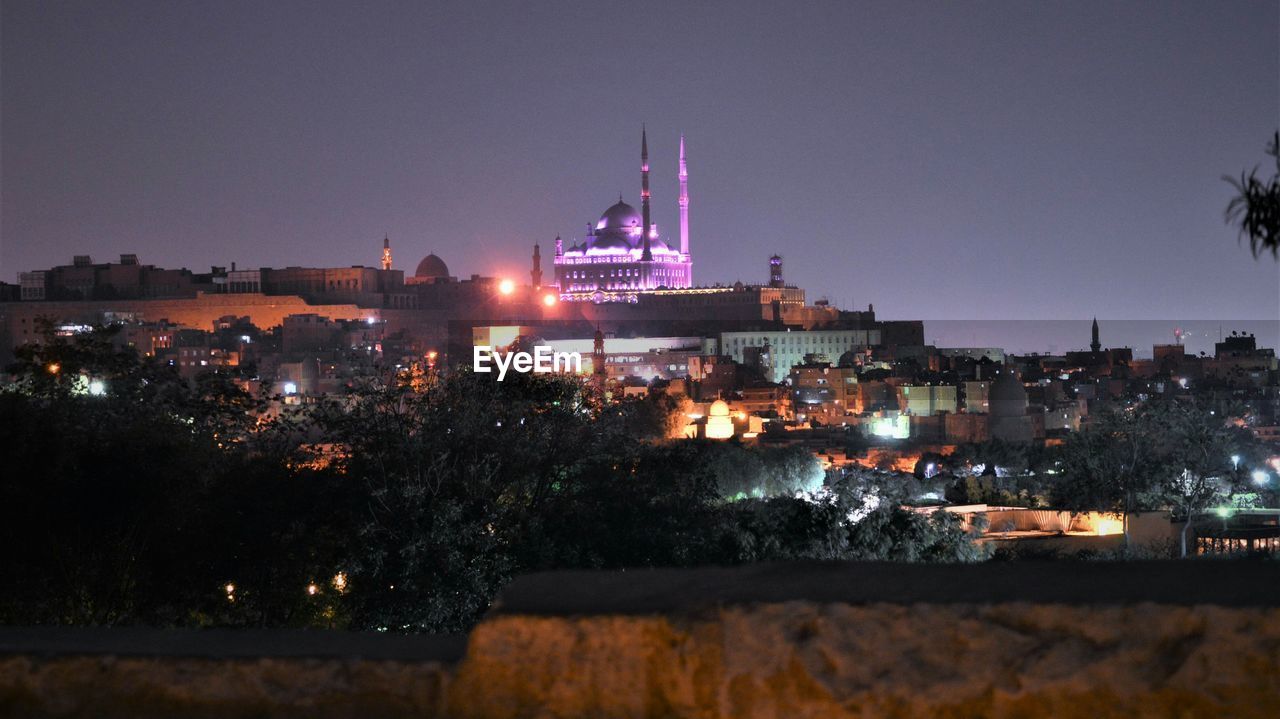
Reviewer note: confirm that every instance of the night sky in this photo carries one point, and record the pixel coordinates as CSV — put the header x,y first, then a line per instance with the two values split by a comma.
x,y
940,160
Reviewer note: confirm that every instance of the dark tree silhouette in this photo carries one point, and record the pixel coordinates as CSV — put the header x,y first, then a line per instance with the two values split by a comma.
x,y
1256,207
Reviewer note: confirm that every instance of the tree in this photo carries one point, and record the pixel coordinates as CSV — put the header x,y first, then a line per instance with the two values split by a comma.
x,y
1194,457
1109,466
1256,207
404,504
1161,454
791,470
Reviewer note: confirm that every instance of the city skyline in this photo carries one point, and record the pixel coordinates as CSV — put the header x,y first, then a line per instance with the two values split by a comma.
x,y
933,163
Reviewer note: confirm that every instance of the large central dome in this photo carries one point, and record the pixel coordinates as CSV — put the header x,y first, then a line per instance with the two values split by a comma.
x,y
432,267
620,217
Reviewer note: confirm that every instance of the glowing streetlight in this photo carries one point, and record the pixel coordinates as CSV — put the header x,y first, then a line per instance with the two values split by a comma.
x,y
54,368
97,387
506,287
1259,476
549,300
312,589
1235,462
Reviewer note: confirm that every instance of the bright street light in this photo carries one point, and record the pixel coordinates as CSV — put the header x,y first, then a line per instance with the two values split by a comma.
x,y
506,287
1259,476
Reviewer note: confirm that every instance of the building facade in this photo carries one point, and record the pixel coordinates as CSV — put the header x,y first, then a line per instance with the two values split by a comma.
x,y
623,253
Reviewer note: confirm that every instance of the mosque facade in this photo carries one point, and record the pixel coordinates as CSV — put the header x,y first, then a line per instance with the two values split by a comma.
x,y
624,254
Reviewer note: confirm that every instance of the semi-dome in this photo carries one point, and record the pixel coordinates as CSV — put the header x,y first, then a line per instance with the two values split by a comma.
x,y
608,244
620,217
432,267
658,247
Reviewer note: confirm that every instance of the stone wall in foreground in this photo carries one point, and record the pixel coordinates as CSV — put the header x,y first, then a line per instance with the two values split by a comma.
x,y
1065,639
111,686
800,659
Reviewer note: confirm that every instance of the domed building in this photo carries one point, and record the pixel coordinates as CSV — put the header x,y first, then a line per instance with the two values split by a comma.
x,y
623,252
430,270
719,425
1007,408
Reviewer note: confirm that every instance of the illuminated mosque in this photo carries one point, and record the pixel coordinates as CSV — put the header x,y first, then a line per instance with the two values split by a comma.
x,y
623,254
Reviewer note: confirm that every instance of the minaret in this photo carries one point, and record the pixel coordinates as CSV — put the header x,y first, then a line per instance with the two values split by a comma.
x,y
647,255
1095,345
536,273
684,202
386,252
597,360
775,272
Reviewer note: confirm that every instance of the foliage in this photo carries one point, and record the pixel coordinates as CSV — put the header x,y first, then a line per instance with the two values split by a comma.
x,y
405,505
1161,454
1256,207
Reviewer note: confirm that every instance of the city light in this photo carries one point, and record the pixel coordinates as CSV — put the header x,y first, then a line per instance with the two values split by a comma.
x,y
54,368
340,582
97,387
506,287
290,388
312,589
1260,476
1235,462
1106,526
549,300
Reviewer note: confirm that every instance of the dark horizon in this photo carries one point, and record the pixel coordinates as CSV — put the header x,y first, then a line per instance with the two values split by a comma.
x,y
994,161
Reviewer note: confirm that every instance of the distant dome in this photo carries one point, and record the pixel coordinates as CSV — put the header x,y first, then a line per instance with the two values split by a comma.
x,y
719,426
1007,396
432,267
620,217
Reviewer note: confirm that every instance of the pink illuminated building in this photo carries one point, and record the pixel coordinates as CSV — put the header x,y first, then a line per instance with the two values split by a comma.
x,y
624,254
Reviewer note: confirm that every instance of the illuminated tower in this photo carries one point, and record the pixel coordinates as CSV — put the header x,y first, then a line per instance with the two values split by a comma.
x,y
1095,345
775,272
536,273
647,254
386,252
597,358
684,202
